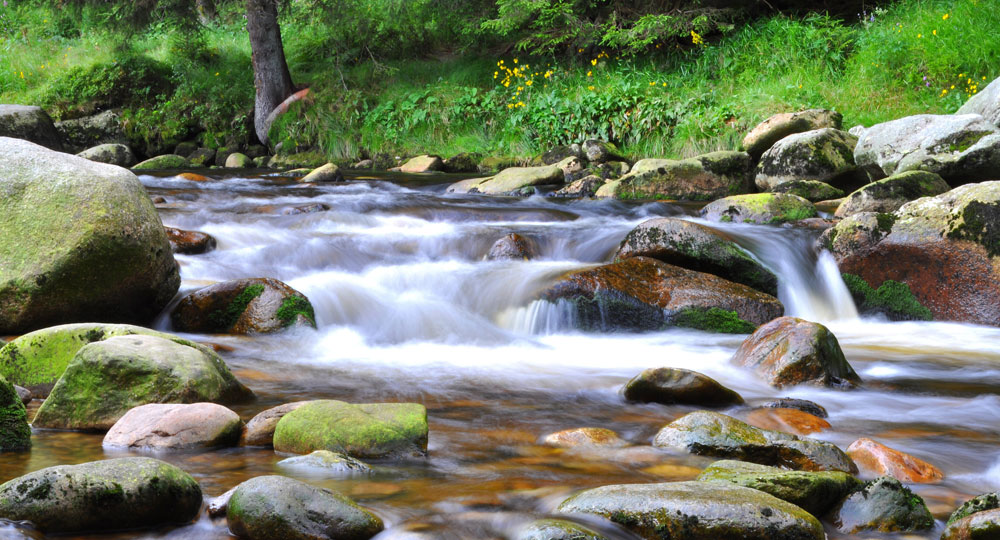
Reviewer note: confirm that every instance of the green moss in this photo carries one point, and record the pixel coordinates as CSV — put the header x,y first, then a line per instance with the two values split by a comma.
x,y
885,222
893,298
14,431
292,307
224,319
713,320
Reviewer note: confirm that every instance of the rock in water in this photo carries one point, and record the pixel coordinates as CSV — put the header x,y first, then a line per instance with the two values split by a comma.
x,y
422,164
882,505
326,463
789,351
700,178
556,529
370,430
513,247
107,378
978,526
190,242
273,507
237,160
770,131
326,173
892,193
585,437
159,426
164,162
679,386
697,510
243,306
260,428
29,123
14,431
876,458
979,503
114,494
80,241
511,180
760,209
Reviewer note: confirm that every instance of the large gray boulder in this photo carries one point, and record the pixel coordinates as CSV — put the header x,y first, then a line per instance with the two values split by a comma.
x,y
759,208
29,123
112,154
700,178
243,306
824,155
882,505
770,131
511,180
890,194
81,133
80,241
985,103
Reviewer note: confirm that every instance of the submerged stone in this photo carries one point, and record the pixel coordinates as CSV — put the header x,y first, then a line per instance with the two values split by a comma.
x,y
160,426
882,505
875,458
243,306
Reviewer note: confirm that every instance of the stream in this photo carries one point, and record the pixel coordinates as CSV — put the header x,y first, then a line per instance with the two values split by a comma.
x,y
408,310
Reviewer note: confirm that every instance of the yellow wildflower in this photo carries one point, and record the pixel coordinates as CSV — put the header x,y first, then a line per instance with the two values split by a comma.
x,y
945,17
593,62
590,73
696,38
919,36
590,88
515,60
527,83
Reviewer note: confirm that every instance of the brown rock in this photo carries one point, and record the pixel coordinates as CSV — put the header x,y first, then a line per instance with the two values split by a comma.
x,y
217,506
513,247
158,199
260,429
680,386
584,187
243,306
175,427
587,436
791,421
189,242
305,209
877,459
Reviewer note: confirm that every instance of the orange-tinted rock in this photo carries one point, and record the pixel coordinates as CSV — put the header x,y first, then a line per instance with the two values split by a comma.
x,y
175,426
877,459
788,420
584,437
513,247
243,306
260,429
189,242
193,177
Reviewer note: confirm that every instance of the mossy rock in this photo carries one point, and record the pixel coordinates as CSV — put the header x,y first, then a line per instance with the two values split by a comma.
x,y
29,123
810,190
244,306
979,503
511,180
882,505
892,299
983,525
700,178
814,492
112,154
237,160
109,495
770,131
890,194
759,208
370,430
14,431
325,463
824,155
164,162
556,529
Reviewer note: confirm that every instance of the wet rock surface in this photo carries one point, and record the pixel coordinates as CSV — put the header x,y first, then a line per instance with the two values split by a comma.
x,y
679,386
244,306
882,505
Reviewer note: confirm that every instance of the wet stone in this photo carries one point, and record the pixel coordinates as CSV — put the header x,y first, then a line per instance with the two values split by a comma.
x,y
878,459
679,386
882,505
803,405
587,436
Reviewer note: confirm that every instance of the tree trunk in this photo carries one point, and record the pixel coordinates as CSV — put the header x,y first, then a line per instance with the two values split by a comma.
x,y
270,71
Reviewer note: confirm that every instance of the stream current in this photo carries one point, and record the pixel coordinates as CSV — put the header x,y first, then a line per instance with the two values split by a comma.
x,y
408,310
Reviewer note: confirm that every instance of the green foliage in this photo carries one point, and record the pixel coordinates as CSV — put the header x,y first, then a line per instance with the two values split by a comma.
x,y
132,80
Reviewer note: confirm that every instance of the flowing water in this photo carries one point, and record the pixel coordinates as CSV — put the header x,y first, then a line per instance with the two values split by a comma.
x,y
408,310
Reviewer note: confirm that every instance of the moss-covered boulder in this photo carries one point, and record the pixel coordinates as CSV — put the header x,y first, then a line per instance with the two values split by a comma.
x,y
700,178
759,208
597,151
99,129
699,510
671,386
882,505
979,526
810,190
763,136
696,247
511,180
814,492
985,103
112,154
243,306
789,351
236,160
29,123
107,378
824,155
79,241
326,173
162,163
14,431
513,247
260,429
202,157
890,194
369,430
584,187
114,494
641,294
325,463
979,503
714,434
175,426
556,529
465,162
270,507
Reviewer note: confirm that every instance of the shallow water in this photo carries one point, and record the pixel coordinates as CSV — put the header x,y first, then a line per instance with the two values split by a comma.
x,y
409,311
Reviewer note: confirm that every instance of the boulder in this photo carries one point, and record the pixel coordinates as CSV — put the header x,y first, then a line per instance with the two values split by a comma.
x,y
222,155
890,194
979,503
194,177
640,293
29,123
202,157
700,178
159,426
422,164
788,420
803,405
14,431
511,180
107,378
979,526
462,163
556,529
326,173
770,131
24,394
326,463
963,148
513,247
112,154
824,155
985,103
164,162
80,241
587,436
584,187
257,151
271,507
699,510
260,429
671,386
571,167
99,129
190,242
882,505
560,153
814,492
243,306
114,494
601,151
879,460
237,160
696,247
810,190
370,430
305,209
366,164
185,149
713,434
759,208
789,351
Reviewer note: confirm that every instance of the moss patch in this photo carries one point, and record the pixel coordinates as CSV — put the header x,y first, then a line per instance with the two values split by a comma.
x,y
713,320
892,298
292,307
225,318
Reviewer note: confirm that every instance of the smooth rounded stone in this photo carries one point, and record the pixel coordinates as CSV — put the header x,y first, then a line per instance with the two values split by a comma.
x,y
671,386
366,431
878,459
114,494
882,505
961,148
985,103
586,436
701,178
80,241
696,247
160,426
243,306
559,153
788,420
789,351
365,164
810,190
556,529
326,173
713,434
892,193
763,136
979,503
14,431
979,526
202,157
260,429
598,151
217,506
29,123
510,180
112,375
700,510
194,177
465,162
571,167
23,394
803,405
222,155
190,242
422,164
313,208
272,507
326,463
583,187
237,160
80,133
112,154
759,208
824,155
513,247
814,492
164,162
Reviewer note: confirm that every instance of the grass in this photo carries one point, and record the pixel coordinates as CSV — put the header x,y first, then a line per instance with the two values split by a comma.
x,y
678,100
